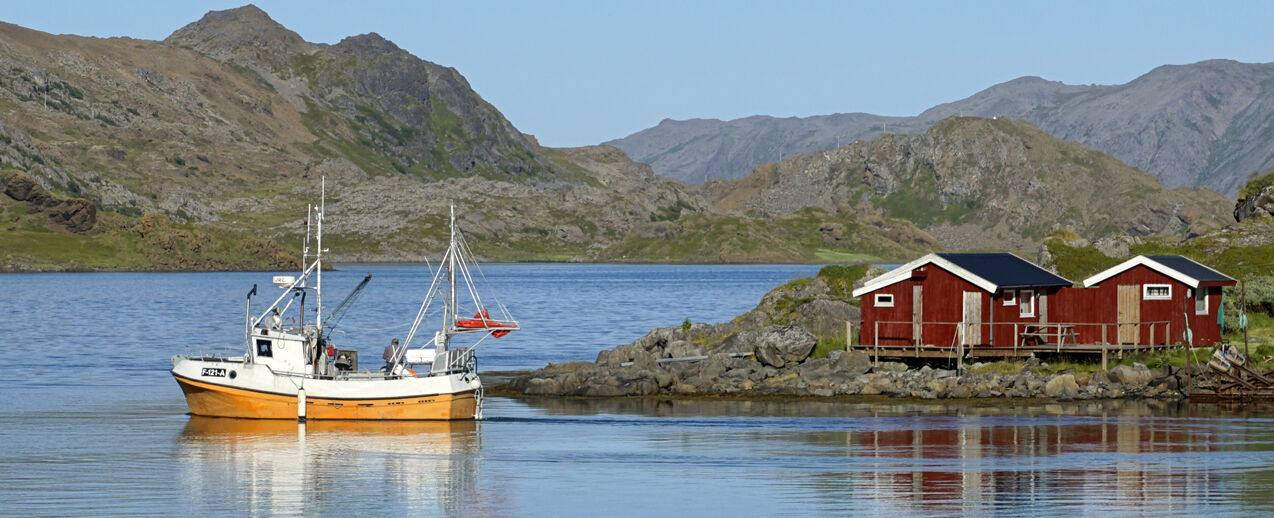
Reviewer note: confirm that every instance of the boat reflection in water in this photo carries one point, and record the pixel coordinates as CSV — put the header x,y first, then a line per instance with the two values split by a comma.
x,y
256,466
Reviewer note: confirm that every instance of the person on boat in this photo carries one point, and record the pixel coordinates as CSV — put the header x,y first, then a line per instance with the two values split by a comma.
x,y
390,355
274,321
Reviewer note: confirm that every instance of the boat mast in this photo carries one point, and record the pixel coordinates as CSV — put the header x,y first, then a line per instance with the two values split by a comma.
x,y
318,254
305,250
450,318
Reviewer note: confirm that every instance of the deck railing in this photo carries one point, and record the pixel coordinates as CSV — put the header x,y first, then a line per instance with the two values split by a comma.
x,y
1059,335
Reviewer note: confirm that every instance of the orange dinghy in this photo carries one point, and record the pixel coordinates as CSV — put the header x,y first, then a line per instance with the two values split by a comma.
x,y
482,320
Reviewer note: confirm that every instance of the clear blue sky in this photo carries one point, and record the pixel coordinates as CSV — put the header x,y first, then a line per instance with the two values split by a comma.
x,y
583,72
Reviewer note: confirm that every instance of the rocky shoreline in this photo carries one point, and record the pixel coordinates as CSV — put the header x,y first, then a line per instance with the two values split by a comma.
x,y
776,361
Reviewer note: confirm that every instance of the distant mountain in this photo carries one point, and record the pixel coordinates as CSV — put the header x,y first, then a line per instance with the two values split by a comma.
x,y
1209,124
977,183
222,131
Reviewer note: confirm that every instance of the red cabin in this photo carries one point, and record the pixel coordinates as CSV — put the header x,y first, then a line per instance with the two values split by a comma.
x,y
946,300
1142,292
1001,300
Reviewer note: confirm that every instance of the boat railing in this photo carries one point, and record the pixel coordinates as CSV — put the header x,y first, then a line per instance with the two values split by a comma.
x,y
214,352
455,361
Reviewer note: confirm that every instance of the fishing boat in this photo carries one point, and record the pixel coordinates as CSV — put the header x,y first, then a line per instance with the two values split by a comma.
x,y
291,368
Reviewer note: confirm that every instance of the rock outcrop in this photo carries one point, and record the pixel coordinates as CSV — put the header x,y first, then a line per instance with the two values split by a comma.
x,y
1258,205
841,373
74,214
1136,374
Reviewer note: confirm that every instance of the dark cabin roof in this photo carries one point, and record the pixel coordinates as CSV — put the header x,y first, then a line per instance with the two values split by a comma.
x,y
1007,271
1192,269
1178,268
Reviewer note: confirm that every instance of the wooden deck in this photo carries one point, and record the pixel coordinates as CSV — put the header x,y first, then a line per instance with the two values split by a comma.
x,y
1024,340
985,351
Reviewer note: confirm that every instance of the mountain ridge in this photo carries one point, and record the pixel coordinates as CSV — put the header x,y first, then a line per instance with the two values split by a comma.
x,y
226,127
977,183
1204,124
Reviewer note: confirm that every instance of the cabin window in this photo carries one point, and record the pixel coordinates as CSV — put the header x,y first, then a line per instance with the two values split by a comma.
x,y
1026,303
1010,297
264,348
1156,292
884,300
1200,301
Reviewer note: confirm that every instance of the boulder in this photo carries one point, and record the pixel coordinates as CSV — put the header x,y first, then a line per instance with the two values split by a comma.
x,y
827,317
1136,375
1166,382
853,362
770,356
714,366
891,367
740,342
779,345
820,368
881,384
1062,386
681,349
1113,247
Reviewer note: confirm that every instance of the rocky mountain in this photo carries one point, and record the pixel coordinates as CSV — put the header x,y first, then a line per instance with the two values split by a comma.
x,y
1203,125
977,183
225,128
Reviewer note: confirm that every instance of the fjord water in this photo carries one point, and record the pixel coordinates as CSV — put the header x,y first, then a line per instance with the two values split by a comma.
x,y
92,423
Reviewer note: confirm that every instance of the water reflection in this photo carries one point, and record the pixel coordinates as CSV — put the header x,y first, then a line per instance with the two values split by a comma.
x,y
245,466
992,457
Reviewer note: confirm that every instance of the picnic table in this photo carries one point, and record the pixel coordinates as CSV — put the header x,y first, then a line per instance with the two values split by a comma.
x,y
1039,334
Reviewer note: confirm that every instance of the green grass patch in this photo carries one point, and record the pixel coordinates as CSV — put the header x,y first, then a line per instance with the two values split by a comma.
x,y
1256,185
840,279
917,200
826,345
835,256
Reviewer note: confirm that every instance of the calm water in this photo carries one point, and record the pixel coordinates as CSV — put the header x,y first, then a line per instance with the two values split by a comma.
x,y
93,424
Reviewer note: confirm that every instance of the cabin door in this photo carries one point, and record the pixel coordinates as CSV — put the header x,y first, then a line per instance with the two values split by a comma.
x,y
1129,317
972,318
917,315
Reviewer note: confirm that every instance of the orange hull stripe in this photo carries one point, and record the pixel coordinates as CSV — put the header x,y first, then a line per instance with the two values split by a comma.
x,y
220,401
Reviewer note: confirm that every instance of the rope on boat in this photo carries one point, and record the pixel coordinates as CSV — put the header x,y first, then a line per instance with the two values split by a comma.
x,y
365,329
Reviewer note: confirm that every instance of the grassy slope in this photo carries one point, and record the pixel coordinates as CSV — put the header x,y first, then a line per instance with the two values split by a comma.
x,y
794,238
31,240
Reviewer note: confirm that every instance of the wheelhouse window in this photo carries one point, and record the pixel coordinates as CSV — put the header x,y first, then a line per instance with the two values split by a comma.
x,y
1156,292
1200,301
1026,303
265,348
1010,297
884,300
